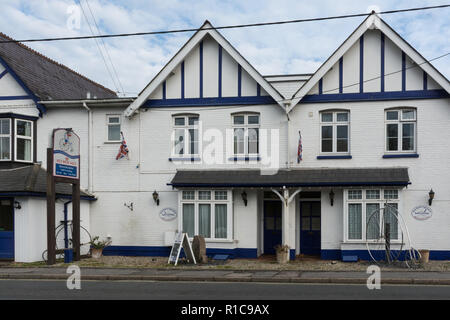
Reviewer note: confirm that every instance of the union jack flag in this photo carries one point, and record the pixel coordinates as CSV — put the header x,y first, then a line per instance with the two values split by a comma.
x,y
123,150
300,148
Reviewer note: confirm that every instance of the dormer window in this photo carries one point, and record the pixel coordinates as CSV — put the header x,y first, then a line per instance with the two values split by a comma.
x,y
17,138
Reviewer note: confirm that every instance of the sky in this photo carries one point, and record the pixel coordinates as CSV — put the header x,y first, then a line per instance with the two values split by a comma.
x,y
282,49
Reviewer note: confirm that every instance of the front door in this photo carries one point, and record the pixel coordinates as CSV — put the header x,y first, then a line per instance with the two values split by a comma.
x,y
272,225
310,227
6,229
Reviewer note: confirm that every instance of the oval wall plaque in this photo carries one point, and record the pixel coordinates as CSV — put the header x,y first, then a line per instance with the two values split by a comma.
x,y
422,212
168,214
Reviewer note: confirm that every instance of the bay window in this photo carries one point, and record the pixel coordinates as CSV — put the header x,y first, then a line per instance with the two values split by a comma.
x,y
401,130
24,140
334,132
185,137
246,134
5,139
367,212
206,213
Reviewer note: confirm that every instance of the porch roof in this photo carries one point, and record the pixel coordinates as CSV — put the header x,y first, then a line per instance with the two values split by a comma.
x,y
317,177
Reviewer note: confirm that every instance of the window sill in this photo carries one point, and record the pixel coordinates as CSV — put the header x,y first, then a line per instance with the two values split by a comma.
x,y
245,158
334,157
192,159
400,155
112,142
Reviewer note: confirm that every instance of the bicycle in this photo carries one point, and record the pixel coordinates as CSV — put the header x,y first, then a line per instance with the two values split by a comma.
x,y
64,241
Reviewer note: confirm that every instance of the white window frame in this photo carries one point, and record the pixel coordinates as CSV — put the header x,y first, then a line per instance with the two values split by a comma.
x,y
364,201
212,202
108,124
246,126
400,121
31,138
10,138
187,138
334,124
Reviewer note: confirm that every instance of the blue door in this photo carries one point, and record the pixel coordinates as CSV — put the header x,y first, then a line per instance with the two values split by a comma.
x,y
272,225
310,227
6,229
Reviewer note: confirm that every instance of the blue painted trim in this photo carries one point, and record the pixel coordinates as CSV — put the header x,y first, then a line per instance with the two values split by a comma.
x,y
257,158
288,184
373,96
405,155
17,116
164,251
185,159
201,68
333,157
258,90
220,72
321,86
40,195
198,102
3,73
182,80
9,235
330,254
361,64
292,254
403,71
382,63
39,106
341,72
66,154
425,81
439,255
239,81
16,98
336,254
164,90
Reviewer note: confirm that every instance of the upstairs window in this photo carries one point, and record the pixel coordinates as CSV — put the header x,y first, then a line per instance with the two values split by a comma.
x,y
246,134
5,139
334,132
17,137
185,137
401,130
113,122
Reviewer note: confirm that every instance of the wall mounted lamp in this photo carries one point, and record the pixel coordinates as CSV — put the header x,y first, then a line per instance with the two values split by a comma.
x,y
156,197
431,196
244,197
17,205
331,194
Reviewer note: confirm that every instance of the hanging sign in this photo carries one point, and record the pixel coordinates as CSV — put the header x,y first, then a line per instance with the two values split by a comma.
x,y
66,154
422,212
181,241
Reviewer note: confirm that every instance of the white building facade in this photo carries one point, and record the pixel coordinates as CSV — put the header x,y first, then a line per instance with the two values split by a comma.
x,y
318,162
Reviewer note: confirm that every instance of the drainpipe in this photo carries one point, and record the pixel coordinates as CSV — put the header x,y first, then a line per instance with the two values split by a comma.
x,y
66,232
288,164
90,145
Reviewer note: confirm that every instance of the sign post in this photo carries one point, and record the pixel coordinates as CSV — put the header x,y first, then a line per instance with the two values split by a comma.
x,y
63,166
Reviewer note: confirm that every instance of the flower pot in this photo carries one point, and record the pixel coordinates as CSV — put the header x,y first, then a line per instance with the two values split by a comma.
x,y
96,253
424,256
282,255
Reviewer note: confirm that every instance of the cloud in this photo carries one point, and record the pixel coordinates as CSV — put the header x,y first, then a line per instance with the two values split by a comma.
x,y
282,49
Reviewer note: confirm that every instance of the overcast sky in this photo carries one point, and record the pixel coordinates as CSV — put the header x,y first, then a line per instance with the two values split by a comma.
x,y
283,49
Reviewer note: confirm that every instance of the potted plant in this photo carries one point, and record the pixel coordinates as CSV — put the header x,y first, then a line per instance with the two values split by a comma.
x,y
282,253
97,247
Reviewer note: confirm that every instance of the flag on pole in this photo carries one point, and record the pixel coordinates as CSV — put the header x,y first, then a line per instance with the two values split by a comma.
x,y
123,150
300,148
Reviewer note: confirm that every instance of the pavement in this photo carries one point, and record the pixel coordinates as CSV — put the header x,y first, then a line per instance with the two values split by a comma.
x,y
264,276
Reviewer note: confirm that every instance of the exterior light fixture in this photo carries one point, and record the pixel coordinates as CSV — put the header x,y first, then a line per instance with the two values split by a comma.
x,y
431,196
331,194
17,205
244,197
156,197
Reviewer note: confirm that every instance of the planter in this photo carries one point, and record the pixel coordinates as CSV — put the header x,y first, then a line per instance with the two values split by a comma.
x,y
282,254
424,256
96,253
